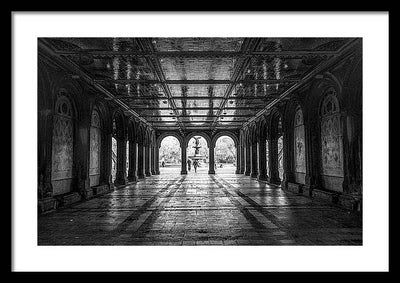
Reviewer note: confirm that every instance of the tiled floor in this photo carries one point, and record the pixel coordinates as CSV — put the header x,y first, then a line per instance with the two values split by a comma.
x,y
200,209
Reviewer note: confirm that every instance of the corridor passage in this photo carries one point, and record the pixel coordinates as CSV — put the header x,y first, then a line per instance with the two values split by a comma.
x,y
200,209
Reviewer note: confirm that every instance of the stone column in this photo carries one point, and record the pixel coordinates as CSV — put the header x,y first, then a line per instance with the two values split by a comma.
x,y
157,159
81,158
254,162
211,160
120,178
242,158
107,164
133,148
312,161
237,161
262,160
248,163
140,167
147,154
273,162
183,160
153,161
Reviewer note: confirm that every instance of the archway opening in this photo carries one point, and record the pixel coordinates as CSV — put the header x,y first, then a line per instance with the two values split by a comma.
x,y
170,155
280,150
63,147
280,157
225,155
197,155
127,158
267,157
95,149
114,152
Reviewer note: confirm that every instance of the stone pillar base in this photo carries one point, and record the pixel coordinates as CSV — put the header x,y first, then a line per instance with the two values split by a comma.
x,y
132,178
101,189
89,193
262,177
141,176
254,174
247,173
211,171
157,172
274,181
46,204
120,182
184,172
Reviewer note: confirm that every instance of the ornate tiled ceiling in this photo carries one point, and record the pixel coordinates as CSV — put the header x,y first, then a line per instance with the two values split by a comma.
x,y
196,83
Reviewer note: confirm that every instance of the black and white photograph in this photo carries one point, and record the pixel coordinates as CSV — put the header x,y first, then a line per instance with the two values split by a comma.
x,y
201,143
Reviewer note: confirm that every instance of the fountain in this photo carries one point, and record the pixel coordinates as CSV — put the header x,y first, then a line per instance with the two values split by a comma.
x,y
197,155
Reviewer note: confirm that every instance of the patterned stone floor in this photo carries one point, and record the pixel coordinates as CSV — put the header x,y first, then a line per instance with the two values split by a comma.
x,y
200,209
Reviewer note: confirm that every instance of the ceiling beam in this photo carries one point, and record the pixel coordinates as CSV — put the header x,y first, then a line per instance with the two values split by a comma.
x,y
345,49
269,96
197,82
72,67
146,45
248,46
168,54
197,122
195,116
199,108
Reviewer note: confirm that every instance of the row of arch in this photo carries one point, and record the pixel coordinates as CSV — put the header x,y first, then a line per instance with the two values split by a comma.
x,y
94,146
211,142
313,140
307,143
80,136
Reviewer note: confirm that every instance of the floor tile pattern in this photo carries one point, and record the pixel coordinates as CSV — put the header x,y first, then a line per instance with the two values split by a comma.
x,y
200,209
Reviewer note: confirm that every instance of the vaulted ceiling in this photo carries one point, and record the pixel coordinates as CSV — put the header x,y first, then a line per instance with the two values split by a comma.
x,y
196,83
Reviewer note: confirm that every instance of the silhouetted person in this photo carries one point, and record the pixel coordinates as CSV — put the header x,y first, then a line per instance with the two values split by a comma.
x,y
195,165
189,163
163,164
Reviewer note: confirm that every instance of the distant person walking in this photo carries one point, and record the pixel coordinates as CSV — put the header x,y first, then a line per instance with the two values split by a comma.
x,y
189,163
195,165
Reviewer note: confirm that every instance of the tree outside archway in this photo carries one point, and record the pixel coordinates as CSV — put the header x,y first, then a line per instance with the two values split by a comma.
x,y
170,151
225,150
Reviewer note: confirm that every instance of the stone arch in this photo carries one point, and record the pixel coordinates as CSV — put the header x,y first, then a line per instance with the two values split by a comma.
x,y
140,131
147,133
247,136
119,128
204,135
96,143
131,130
318,91
276,150
74,91
275,123
160,138
225,133
63,157
262,128
253,133
102,109
331,140
295,146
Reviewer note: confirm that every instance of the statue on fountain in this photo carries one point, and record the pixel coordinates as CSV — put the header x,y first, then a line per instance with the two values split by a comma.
x,y
196,151
197,156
